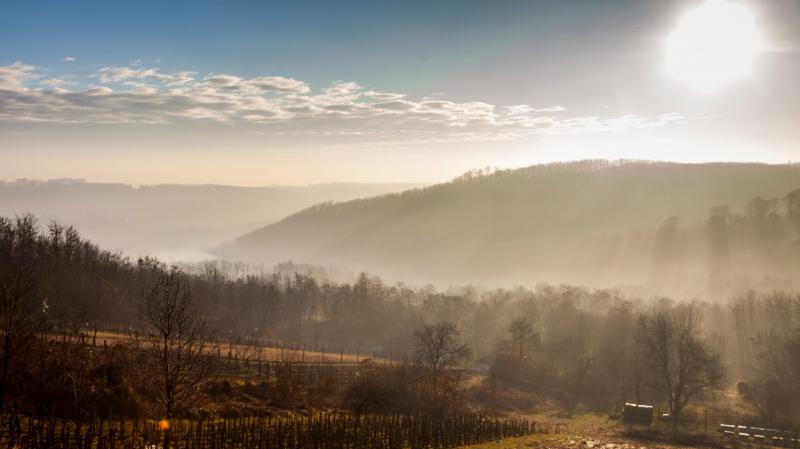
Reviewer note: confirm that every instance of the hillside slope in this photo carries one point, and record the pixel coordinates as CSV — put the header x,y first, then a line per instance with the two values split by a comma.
x,y
592,222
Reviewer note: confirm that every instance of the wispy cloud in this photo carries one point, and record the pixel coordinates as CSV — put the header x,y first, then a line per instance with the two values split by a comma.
x,y
14,76
69,59
116,74
281,105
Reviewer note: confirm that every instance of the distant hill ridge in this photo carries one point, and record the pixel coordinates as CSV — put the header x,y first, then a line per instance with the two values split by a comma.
x,y
547,222
534,171
175,221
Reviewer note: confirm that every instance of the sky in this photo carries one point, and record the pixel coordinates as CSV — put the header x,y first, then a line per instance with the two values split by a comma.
x,y
291,93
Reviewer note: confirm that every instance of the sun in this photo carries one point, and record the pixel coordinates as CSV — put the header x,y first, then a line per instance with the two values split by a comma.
x,y
713,45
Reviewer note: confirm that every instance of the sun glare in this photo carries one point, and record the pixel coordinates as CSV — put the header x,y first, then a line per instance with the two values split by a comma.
x,y
713,45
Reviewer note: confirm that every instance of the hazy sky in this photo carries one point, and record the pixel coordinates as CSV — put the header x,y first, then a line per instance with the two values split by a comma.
x,y
293,92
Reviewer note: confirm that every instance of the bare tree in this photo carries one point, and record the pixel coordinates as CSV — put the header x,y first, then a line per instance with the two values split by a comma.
x,y
793,350
523,338
18,286
438,346
438,350
792,201
681,360
772,388
178,350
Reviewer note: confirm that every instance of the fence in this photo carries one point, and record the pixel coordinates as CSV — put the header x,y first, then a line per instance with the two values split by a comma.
x,y
323,431
311,373
761,435
705,422
251,348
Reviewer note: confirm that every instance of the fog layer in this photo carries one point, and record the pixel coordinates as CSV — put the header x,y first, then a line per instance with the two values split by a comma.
x,y
175,222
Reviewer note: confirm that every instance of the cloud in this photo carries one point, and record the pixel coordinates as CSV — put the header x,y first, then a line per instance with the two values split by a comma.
x,y
257,85
117,74
556,108
69,59
52,82
283,106
384,96
223,80
14,76
279,84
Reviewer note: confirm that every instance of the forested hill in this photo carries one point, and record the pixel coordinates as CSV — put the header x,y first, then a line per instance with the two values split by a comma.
x,y
595,222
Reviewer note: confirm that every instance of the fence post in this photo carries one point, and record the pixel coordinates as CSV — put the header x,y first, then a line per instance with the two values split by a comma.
x,y
705,423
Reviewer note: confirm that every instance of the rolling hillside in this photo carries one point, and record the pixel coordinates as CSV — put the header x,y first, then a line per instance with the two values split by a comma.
x,y
545,223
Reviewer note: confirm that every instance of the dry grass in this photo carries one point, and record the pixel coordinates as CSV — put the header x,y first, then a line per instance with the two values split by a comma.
x,y
594,431
266,354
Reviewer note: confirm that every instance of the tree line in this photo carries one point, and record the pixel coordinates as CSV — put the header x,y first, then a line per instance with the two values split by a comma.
x,y
581,347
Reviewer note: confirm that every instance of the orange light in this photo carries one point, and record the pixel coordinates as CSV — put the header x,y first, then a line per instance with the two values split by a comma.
x,y
163,424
